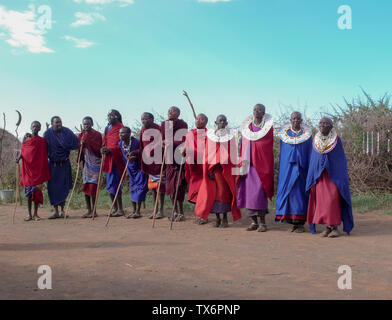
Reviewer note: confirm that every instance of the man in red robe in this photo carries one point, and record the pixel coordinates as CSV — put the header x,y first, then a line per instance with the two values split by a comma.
x,y
194,151
150,153
35,168
174,131
113,164
217,192
91,142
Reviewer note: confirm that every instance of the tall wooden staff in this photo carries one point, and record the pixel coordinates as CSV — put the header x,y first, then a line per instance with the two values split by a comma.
x,y
17,168
118,190
175,196
99,179
190,102
159,187
74,185
98,185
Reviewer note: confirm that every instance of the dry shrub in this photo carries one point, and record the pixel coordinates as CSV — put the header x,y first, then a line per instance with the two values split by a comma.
x,y
369,171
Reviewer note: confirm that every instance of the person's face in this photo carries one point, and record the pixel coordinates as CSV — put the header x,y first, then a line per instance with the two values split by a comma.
x,y
146,121
173,114
201,122
325,126
124,134
258,112
112,118
87,125
57,124
296,121
221,122
35,128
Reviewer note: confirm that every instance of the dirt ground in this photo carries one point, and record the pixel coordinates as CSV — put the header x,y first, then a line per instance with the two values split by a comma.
x,y
131,260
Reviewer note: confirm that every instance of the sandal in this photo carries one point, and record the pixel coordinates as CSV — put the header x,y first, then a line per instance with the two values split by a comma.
x,y
202,221
137,215
252,227
263,228
28,218
180,217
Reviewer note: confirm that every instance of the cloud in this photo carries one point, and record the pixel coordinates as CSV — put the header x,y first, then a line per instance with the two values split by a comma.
x,y
79,43
213,1
86,19
123,3
22,30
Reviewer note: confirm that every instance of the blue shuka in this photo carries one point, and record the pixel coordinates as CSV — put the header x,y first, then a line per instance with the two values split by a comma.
x,y
59,147
292,199
138,180
335,163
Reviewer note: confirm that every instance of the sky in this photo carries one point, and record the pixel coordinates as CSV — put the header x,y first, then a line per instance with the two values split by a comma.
x,y
139,55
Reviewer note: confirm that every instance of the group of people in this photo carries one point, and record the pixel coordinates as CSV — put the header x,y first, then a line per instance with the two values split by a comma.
x,y
224,172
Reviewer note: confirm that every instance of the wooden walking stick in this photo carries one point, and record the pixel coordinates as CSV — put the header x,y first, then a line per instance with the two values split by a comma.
x,y
118,190
190,102
99,180
76,180
98,186
17,189
159,187
175,196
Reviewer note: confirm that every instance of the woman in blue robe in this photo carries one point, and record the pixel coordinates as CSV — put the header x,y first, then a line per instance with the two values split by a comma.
x,y
295,150
60,141
328,183
138,180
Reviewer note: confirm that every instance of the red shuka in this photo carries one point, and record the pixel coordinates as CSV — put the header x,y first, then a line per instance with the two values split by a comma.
x,y
194,171
92,141
153,168
263,160
114,158
35,167
207,193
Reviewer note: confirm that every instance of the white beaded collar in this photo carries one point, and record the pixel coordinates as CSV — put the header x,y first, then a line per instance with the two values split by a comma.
x,y
222,135
252,136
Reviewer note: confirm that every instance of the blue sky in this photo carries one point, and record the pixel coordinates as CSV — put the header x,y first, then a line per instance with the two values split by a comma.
x,y
139,55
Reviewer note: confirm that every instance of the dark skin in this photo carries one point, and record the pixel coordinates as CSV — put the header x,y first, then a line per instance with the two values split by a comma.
x,y
296,121
147,122
57,125
112,121
221,123
201,123
325,126
90,200
35,129
118,207
173,115
258,113
125,136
